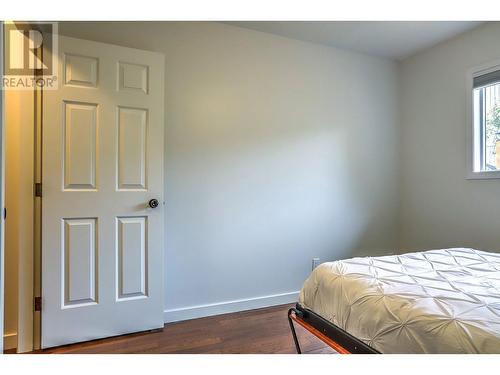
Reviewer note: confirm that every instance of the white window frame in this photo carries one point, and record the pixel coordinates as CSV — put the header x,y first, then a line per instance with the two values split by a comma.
x,y
472,144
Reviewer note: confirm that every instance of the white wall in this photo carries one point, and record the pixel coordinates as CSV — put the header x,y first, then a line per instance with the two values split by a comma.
x,y
277,151
440,208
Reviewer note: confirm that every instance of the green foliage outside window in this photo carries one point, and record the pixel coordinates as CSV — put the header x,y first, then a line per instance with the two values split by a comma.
x,y
493,124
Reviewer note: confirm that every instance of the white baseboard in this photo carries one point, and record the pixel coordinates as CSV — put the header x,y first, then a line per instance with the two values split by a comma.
x,y
193,312
10,341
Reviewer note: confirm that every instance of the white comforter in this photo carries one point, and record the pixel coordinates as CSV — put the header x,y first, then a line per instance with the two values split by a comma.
x,y
438,301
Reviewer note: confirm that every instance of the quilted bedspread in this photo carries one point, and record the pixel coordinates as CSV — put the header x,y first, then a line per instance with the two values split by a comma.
x,y
438,301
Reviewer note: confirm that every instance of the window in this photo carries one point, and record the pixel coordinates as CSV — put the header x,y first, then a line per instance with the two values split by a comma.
x,y
485,119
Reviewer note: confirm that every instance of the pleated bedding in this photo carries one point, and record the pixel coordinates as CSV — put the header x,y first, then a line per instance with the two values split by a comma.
x,y
437,301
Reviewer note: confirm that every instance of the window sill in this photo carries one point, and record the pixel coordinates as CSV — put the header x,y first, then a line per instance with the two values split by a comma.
x,y
483,175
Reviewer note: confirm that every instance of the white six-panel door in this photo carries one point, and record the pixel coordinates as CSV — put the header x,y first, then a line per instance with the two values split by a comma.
x,y
102,245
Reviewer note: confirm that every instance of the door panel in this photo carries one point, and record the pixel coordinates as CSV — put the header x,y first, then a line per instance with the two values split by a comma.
x,y
79,259
132,254
80,70
80,145
102,246
132,151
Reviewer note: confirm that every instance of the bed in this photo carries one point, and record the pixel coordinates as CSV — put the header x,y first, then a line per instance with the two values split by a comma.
x,y
437,301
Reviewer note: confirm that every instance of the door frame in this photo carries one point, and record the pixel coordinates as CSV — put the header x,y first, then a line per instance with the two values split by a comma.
x,y
19,166
27,269
21,207
28,262
2,189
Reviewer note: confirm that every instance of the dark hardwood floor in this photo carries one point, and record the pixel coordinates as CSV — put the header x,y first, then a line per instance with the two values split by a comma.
x,y
256,331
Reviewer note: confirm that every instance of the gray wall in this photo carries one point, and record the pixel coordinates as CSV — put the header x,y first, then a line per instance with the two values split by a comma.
x,y
440,208
277,151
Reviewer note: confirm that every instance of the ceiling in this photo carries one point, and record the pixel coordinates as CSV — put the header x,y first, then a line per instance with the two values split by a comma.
x,y
395,40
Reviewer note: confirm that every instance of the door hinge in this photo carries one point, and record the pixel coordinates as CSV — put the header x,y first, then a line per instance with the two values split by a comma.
x,y
38,303
38,189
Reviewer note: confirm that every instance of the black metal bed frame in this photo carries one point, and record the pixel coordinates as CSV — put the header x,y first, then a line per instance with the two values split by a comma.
x,y
340,340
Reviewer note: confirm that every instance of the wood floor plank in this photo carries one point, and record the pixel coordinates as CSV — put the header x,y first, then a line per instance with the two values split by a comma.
x,y
250,332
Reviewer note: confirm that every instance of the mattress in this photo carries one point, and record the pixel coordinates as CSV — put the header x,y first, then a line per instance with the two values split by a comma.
x,y
438,301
